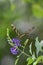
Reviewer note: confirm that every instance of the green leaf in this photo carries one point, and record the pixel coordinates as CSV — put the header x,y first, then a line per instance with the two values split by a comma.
x,y
9,39
30,61
33,56
30,48
38,46
38,60
25,43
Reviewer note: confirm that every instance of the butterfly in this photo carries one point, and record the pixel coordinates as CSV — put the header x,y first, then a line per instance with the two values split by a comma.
x,y
18,33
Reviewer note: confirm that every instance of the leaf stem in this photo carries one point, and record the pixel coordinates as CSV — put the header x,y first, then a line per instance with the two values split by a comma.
x,y
23,52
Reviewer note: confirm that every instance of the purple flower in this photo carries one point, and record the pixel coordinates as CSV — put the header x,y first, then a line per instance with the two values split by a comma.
x,y
16,41
13,50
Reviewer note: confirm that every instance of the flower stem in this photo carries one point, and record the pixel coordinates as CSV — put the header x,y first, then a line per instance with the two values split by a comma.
x,y
23,52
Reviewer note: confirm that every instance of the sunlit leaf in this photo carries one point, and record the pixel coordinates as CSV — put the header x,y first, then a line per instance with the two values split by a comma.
x,y
38,60
37,10
30,61
12,7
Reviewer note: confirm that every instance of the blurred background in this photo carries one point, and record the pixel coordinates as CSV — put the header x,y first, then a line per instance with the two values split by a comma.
x,y
24,14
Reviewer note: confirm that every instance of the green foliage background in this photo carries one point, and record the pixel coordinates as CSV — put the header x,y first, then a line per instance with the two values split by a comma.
x,y
8,14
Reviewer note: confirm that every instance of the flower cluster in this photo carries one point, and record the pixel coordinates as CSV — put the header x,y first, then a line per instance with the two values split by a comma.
x,y
34,53
14,49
